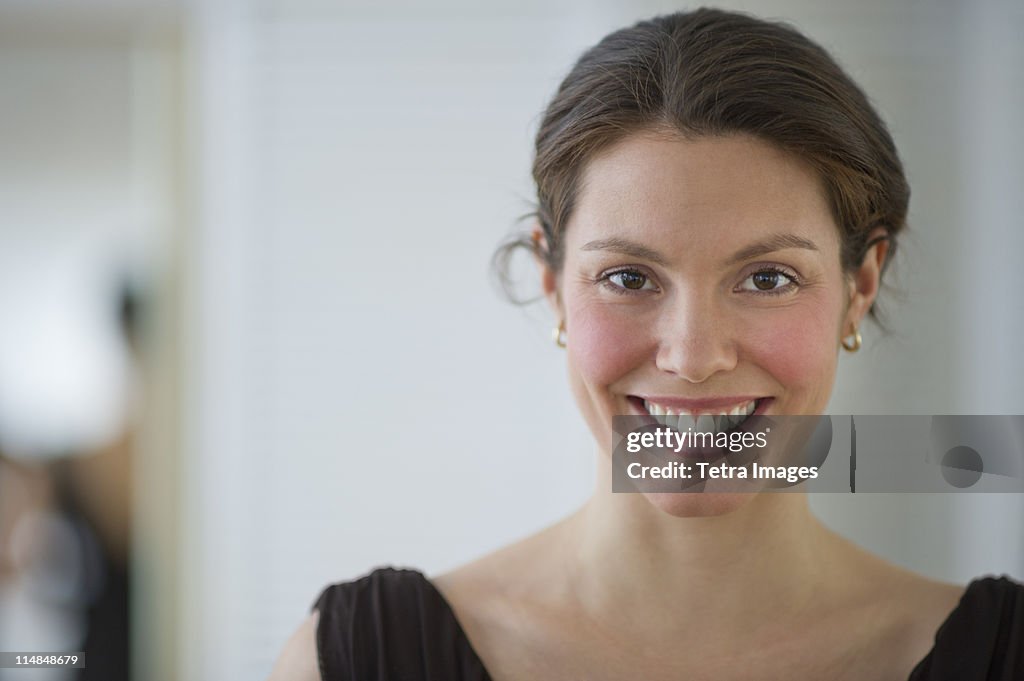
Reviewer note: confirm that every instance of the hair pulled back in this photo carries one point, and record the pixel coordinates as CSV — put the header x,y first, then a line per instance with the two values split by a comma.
x,y
709,73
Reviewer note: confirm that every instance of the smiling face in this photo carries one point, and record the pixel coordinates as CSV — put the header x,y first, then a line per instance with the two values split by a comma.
x,y
702,276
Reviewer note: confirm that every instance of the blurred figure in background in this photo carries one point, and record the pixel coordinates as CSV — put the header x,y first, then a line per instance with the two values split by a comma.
x,y
65,543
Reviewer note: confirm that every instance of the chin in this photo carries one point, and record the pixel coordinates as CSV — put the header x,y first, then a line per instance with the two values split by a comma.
x,y
698,504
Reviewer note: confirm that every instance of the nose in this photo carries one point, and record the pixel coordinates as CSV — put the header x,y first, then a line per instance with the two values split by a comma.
x,y
695,339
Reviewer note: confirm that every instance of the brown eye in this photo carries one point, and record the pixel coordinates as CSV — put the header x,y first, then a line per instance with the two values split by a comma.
x,y
629,280
771,281
766,280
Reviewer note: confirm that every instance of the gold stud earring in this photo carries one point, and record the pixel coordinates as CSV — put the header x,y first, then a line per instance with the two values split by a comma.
x,y
853,345
558,334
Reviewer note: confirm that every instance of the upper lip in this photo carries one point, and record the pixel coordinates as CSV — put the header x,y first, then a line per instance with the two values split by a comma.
x,y
702,404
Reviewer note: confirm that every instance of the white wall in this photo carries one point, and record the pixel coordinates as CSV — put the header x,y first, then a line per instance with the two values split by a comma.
x,y
358,394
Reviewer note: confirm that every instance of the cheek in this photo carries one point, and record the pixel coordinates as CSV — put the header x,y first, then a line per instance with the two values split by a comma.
x,y
797,346
604,343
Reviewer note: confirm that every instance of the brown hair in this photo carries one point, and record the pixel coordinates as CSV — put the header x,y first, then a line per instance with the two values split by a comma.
x,y
711,72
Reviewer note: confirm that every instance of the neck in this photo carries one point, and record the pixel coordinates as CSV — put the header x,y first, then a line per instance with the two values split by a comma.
x,y
749,564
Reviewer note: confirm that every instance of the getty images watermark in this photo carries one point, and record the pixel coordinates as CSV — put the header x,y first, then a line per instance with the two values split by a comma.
x,y
819,454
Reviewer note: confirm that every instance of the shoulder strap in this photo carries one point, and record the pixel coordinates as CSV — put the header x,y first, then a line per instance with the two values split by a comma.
x,y
392,625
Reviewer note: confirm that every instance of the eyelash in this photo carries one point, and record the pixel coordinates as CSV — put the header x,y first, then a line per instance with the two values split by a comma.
x,y
605,279
794,281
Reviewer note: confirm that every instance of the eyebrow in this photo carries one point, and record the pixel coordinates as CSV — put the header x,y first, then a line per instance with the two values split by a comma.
x,y
776,242
626,247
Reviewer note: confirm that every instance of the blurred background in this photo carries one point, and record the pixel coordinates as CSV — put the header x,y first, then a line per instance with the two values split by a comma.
x,y
249,343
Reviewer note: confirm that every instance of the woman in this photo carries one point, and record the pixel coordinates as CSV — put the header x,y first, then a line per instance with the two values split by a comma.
x,y
717,203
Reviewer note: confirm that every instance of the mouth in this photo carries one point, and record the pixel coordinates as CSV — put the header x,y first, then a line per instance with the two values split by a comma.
x,y
716,416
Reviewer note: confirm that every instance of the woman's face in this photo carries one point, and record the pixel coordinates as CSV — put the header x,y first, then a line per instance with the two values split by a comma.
x,y
703,276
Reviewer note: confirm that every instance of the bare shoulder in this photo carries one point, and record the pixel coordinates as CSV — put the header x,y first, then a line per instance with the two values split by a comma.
x,y
907,596
932,601
482,589
892,612
298,660
509,574
919,598
914,608
505,600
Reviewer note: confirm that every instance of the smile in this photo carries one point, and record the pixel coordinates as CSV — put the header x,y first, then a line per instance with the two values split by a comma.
x,y
727,417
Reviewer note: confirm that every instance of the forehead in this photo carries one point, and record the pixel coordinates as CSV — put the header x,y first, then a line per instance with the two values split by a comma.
x,y
722,190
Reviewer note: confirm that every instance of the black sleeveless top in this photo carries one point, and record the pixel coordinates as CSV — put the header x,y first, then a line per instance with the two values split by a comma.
x,y
394,625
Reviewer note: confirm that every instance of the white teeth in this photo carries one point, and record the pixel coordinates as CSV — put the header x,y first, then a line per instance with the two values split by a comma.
x,y
682,419
658,412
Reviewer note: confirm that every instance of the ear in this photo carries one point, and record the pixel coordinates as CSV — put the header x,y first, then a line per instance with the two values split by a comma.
x,y
865,280
548,277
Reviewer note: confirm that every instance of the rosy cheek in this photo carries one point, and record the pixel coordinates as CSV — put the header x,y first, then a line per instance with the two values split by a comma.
x,y
797,346
605,342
